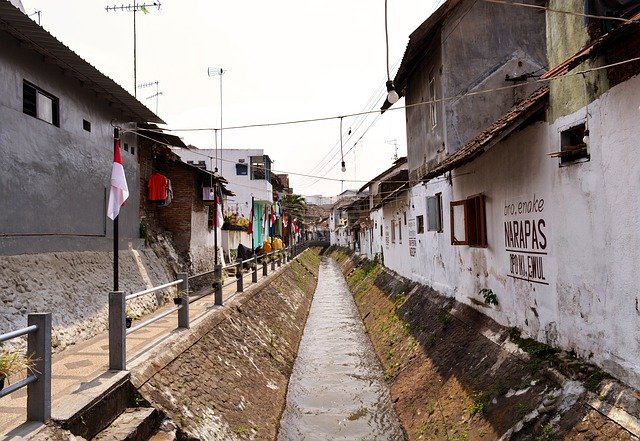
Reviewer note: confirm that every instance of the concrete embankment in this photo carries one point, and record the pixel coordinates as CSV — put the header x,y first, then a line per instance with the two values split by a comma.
x,y
455,374
74,287
228,378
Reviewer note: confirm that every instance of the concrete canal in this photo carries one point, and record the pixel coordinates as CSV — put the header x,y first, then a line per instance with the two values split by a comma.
x,y
336,390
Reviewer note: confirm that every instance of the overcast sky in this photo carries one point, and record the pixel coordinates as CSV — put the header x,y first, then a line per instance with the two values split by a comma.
x,y
285,60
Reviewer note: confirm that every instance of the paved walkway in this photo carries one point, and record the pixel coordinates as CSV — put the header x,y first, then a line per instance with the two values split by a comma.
x,y
83,367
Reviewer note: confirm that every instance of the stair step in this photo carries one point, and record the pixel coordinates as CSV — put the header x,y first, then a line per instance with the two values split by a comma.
x,y
134,424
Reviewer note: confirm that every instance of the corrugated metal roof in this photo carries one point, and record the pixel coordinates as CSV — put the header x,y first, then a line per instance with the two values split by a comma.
x,y
35,38
397,164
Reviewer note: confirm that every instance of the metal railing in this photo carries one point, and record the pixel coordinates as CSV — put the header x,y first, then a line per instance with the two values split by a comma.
x,y
118,330
38,380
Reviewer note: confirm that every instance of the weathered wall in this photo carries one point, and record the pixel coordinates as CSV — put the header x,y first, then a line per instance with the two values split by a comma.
x,y
231,382
54,181
517,48
566,35
583,296
455,374
74,287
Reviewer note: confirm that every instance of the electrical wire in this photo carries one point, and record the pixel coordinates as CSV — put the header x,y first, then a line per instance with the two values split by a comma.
x,y
561,11
441,100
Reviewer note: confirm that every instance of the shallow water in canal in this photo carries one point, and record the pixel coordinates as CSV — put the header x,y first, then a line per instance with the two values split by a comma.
x,y
337,391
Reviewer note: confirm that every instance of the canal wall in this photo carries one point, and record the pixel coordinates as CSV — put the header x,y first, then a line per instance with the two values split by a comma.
x,y
455,374
228,380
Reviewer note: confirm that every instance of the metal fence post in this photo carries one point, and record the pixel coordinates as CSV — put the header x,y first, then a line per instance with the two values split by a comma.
x,y
217,275
117,332
264,265
273,261
39,350
239,279
254,275
183,296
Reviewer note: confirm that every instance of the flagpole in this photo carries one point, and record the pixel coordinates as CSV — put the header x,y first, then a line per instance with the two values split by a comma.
x,y
116,137
215,217
253,245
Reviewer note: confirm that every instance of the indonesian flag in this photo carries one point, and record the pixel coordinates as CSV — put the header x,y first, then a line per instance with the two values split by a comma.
x,y
273,216
296,230
284,221
219,219
119,190
250,226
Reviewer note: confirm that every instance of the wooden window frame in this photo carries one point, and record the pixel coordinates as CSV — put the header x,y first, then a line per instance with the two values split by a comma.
x,y
475,224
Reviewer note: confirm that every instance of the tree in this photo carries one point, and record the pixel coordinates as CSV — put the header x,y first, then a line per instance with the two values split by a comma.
x,y
294,205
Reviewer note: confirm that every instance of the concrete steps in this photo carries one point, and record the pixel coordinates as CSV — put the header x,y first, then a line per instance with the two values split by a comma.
x,y
134,424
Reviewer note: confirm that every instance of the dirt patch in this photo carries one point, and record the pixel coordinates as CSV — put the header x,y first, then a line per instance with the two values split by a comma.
x,y
231,384
456,375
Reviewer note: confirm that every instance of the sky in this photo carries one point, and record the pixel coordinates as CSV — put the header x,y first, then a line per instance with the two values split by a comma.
x,y
284,60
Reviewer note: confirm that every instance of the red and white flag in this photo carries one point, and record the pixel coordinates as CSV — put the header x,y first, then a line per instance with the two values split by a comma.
x,y
219,216
119,190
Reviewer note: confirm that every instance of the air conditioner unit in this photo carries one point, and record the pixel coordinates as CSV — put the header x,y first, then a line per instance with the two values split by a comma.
x,y
208,194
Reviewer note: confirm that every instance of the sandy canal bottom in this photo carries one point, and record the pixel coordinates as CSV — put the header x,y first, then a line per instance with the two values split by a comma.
x,y
337,391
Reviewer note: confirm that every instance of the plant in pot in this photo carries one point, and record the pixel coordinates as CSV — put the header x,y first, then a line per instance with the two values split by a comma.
x,y
13,363
129,317
177,300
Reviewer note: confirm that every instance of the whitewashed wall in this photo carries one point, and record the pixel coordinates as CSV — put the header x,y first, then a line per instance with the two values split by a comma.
x,y
586,296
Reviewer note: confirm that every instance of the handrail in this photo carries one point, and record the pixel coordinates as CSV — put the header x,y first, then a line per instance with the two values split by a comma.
x,y
19,385
201,274
18,333
135,295
38,380
154,319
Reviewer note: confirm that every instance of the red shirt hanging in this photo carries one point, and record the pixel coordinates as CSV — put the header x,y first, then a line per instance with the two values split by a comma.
x,y
158,185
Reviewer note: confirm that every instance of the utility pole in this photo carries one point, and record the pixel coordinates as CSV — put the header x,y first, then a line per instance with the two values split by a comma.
x,y
213,71
135,7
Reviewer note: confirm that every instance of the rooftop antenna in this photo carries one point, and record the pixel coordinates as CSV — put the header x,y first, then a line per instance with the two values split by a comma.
x,y
394,143
135,7
155,95
36,12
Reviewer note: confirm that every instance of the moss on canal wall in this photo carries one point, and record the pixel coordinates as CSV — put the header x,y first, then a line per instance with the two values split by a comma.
x,y
231,383
454,374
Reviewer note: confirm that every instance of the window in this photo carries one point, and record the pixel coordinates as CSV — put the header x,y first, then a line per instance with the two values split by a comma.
x,y
133,150
86,125
400,231
468,225
126,147
393,231
405,217
420,224
573,146
40,104
432,99
260,167
242,169
434,213
381,233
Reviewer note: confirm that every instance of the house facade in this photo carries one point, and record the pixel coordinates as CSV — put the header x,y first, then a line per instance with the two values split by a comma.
x,y
540,207
248,172
56,141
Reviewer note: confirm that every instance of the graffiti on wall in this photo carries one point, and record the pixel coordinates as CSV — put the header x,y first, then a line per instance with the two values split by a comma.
x,y
526,239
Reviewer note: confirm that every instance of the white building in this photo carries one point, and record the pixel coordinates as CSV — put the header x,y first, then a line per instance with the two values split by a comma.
x,y
247,170
541,207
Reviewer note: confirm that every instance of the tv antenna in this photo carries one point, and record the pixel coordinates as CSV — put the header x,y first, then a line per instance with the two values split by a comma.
x,y
394,143
135,7
155,95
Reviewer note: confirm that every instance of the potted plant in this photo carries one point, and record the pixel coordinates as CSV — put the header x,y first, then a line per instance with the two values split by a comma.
x,y
177,300
129,317
12,363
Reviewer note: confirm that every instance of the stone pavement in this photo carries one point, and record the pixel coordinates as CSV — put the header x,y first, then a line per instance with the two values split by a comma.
x,y
83,368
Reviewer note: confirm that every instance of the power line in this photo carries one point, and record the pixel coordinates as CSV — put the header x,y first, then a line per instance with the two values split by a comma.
x,y
561,11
